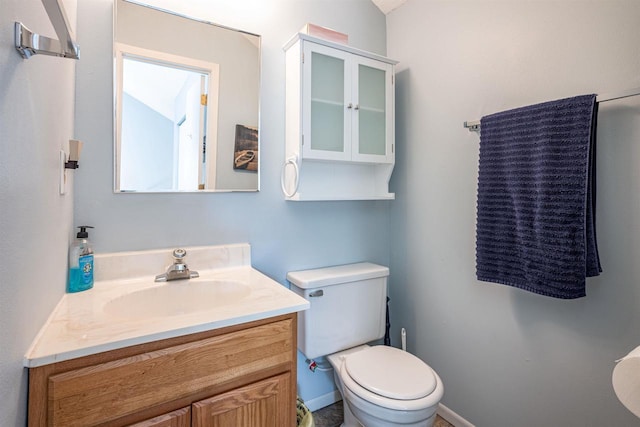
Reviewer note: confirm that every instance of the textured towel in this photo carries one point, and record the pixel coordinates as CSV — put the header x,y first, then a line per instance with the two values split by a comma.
x,y
536,198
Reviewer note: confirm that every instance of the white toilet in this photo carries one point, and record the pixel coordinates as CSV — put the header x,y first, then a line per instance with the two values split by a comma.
x,y
381,386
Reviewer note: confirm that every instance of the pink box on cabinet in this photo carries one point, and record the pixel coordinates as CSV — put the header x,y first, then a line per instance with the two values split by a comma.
x,y
325,33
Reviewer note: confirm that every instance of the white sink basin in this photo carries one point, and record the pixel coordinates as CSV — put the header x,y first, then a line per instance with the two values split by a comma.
x,y
126,308
177,298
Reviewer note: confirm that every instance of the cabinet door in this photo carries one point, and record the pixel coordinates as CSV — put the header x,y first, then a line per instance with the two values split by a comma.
x,y
262,404
373,111
326,103
179,418
100,394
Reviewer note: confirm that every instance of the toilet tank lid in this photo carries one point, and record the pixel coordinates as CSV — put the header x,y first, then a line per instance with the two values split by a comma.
x,y
327,276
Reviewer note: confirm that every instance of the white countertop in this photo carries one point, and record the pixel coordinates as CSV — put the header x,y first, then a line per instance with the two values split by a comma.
x,y
80,325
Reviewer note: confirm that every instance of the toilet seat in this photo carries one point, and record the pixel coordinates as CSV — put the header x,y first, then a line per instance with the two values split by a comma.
x,y
391,373
369,385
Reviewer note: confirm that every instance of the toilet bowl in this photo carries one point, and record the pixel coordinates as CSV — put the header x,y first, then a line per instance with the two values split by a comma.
x,y
381,386
384,386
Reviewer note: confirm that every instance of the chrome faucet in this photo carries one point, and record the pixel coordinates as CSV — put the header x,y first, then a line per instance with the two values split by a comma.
x,y
178,270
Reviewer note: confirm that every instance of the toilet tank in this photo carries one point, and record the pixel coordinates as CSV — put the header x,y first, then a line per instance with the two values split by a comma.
x,y
348,307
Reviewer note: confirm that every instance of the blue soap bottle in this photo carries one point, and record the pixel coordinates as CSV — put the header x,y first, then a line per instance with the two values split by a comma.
x,y
80,262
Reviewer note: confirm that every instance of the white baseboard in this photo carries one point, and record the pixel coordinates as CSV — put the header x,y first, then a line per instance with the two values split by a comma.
x,y
452,417
324,400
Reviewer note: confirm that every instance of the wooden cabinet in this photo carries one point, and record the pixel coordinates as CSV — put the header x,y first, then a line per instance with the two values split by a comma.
x,y
260,404
339,122
245,373
179,418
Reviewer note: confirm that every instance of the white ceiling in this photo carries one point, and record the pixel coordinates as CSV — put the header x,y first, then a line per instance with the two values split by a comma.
x,y
387,6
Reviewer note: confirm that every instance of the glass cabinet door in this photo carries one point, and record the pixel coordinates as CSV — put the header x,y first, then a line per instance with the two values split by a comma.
x,y
326,108
373,129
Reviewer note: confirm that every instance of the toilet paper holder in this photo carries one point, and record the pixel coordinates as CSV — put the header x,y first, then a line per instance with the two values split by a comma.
x,y
626,381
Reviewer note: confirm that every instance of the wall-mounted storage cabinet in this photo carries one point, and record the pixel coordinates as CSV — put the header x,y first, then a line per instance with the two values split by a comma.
x,y
340,122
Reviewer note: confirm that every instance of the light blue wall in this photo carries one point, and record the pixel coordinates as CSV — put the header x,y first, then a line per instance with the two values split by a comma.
x,y
284,236
508,357
36,122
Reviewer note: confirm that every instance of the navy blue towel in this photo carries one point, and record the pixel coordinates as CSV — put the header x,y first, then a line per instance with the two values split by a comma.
x,y
536,198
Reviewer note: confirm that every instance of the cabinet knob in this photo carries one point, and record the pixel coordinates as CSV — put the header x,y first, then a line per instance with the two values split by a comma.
x,y
357,107
349,106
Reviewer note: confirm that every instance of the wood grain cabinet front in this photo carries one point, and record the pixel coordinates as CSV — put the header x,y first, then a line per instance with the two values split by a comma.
x,y
243,372
179,418
264,404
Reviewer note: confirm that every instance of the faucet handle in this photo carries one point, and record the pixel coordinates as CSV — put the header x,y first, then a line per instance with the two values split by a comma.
x,y
178,254
177,270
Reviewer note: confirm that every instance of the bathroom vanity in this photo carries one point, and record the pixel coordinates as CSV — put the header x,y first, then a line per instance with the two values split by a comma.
x,y
103,358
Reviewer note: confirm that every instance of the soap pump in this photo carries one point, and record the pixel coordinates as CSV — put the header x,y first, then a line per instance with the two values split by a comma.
x,y
81,262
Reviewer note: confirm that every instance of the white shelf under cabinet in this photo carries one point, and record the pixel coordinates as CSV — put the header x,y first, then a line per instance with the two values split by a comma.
x,y
323,180
349,159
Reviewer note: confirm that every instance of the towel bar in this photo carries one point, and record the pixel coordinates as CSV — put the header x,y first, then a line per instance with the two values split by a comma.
x,y
29,43
474,125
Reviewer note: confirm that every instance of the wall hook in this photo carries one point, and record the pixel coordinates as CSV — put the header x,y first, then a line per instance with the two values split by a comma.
x,y
29,43
71,164
75,147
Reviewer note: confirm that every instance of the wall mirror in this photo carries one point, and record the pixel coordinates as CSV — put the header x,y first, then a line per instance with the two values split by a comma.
x,y
186,103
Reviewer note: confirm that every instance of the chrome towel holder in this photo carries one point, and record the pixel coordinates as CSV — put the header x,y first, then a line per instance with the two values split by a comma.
x,y
474,125
29,43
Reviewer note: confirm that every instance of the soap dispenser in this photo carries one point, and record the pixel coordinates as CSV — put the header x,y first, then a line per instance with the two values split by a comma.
x,y
80,262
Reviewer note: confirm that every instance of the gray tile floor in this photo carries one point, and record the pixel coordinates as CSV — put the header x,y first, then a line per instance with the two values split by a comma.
x,y
331,416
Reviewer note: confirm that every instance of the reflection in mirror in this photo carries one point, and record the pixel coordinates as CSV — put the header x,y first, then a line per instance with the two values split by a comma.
x,y
186,103
164,103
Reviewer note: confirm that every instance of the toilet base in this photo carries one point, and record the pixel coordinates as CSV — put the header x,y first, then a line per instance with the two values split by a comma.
x,y
427,423
350,420
355,417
